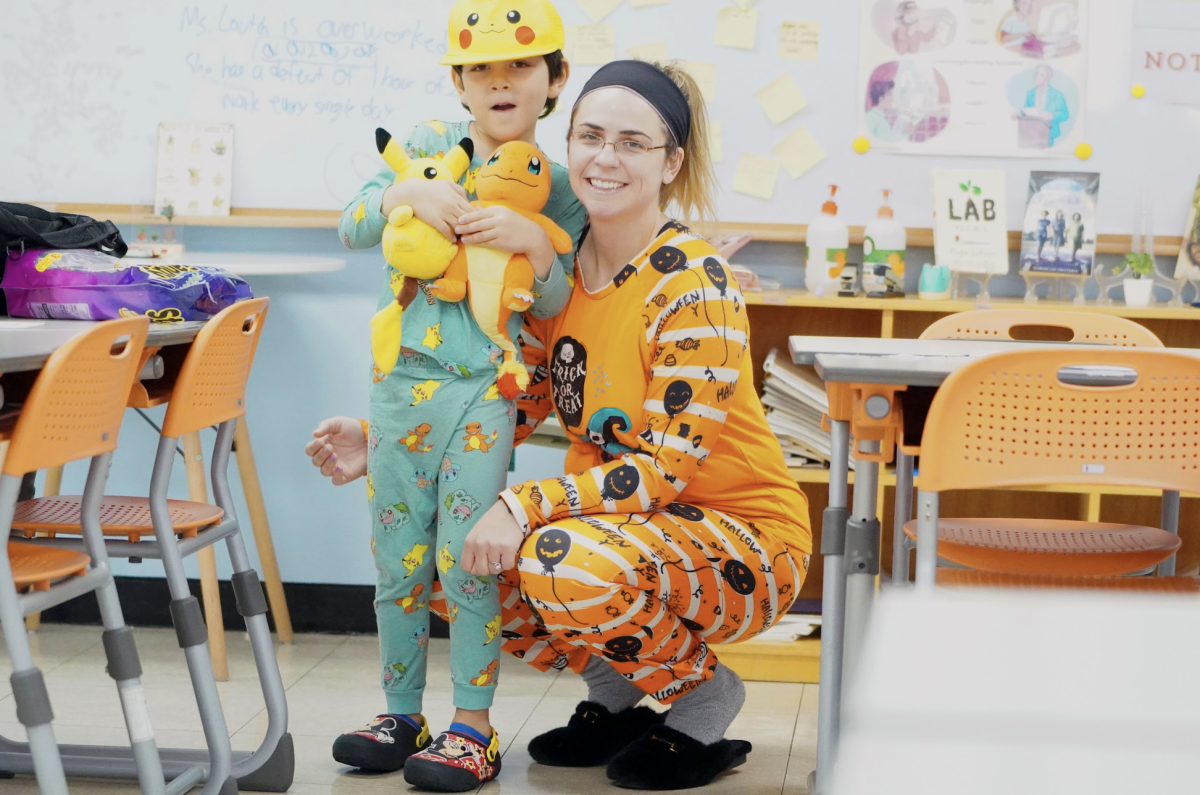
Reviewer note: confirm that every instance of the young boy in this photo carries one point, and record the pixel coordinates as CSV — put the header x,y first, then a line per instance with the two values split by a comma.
x,y
439,434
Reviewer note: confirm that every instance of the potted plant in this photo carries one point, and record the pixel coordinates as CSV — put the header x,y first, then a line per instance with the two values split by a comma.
x,y
1140,286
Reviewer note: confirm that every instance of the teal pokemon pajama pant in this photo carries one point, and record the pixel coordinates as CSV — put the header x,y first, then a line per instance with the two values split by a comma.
x,y
439,446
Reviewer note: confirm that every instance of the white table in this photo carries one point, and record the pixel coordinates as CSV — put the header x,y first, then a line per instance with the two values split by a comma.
x,y
25,345
264,264
850,538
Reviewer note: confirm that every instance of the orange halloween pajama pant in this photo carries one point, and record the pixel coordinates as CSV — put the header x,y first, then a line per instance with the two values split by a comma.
x,y
648,592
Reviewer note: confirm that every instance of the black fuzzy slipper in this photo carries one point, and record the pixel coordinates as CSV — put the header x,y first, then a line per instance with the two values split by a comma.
x,y
664,759
593,736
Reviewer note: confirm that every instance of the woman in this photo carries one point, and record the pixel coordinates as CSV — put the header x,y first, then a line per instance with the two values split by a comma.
x,y
1046,102
681,527
1075,236
1016,27
907,36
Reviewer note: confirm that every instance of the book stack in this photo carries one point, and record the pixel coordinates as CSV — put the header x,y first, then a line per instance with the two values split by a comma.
x,y
795,400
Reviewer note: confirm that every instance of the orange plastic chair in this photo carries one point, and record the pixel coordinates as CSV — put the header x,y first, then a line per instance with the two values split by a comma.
x,y
209,391
998,324
73,411
1108,417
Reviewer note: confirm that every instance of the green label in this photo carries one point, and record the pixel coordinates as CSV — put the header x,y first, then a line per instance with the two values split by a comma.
x,y
884,256
837,255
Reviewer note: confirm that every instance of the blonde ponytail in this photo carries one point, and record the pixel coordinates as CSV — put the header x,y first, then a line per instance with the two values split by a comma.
x,y
691,192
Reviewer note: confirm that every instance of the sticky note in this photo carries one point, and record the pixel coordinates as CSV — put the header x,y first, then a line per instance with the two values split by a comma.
x,y
781,99
798,152
737,27
716,146
705,75
800,40
595,44
756,176
598,9
647,3
656,51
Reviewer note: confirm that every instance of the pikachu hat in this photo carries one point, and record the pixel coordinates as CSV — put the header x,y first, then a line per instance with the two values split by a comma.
x,y
483,31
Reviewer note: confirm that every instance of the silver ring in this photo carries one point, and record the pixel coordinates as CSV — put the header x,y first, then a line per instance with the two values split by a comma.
x,y
497,566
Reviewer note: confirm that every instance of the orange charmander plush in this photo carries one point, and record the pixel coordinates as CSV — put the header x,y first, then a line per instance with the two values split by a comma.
x,y
498,283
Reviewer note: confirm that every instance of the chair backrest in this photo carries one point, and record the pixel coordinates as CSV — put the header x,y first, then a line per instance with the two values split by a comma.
x,y
1018,419
211,387
998,324
75,407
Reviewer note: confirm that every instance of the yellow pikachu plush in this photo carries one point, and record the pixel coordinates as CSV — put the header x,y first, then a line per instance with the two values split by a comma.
x,y
412,247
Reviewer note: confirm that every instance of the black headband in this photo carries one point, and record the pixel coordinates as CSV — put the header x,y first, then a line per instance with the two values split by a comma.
x,y
651,84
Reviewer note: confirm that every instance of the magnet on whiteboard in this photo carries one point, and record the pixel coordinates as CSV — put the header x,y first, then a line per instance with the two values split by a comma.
x,y
1139,91
1083,151
861,145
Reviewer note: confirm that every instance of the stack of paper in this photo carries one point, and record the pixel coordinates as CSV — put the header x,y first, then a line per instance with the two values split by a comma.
x,y
791,628
795,400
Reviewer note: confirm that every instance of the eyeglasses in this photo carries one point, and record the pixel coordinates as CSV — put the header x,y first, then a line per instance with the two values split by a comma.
x,y
625,147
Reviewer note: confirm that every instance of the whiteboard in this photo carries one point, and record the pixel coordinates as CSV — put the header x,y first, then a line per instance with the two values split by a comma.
x,y
84,86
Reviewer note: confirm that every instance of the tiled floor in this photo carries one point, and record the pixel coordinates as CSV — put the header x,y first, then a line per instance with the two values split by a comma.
x,y
332,685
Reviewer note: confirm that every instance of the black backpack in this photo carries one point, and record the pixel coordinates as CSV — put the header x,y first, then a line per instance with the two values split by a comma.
x,y
25,226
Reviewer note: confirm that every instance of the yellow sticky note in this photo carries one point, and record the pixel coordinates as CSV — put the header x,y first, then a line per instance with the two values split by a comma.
x,y
595,44
598,9
716,147
800,40
656,51
647,3
737,27
756,176
798,152
705,75
781,99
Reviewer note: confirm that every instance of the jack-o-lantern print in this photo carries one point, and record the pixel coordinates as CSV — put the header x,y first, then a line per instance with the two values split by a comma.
x,y
623,649
716,275
624,274
552,547
621,483
684,511
668,259
739,576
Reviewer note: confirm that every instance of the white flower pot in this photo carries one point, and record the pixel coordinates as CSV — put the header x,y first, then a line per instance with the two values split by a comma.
x,y
1138,291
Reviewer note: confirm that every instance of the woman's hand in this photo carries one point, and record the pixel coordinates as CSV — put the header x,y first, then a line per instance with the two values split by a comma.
x,y
496,538
437,202
339,449
507,230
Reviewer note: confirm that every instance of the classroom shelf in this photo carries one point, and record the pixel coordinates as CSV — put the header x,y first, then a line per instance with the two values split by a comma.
x,y
918,237
911,303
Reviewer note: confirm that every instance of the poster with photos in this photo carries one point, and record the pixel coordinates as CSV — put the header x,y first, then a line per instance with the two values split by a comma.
x,y
1058,236
1001,78
195,169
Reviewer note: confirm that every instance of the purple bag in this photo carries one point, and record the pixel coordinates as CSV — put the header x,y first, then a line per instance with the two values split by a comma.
x,y
81,284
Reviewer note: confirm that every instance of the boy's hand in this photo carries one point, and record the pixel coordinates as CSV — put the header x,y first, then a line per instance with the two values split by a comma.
x,y
339,449
437,202
508,230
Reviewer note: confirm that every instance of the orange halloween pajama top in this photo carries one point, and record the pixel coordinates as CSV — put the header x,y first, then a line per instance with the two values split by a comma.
x,y
680,526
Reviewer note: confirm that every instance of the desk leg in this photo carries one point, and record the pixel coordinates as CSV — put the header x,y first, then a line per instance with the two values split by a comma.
x,y
903,503
193,454
927,538
248,470
862,559
833,598
52,489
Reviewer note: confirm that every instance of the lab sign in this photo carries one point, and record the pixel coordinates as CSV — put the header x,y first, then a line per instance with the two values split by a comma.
x,y
1167,63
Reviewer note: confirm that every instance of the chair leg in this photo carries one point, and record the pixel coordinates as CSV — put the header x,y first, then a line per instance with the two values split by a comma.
x,y
29,689
927,537
190,626
119,649
52,488
252,489
193,455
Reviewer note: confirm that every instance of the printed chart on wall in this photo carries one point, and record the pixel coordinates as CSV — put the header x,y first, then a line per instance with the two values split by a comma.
x,y
973,77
